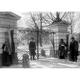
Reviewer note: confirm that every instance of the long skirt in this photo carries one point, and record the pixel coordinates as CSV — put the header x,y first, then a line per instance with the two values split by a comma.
x,y
62,54
5,59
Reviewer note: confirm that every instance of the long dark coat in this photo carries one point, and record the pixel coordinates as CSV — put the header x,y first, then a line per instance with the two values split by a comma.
x,y
73,50
32,48
5,55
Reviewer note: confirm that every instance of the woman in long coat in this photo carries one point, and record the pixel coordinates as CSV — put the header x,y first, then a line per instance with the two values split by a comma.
x,y
5,55
62,49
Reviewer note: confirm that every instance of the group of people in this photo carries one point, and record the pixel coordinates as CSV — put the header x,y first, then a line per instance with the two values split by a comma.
x,y
65,51
70,51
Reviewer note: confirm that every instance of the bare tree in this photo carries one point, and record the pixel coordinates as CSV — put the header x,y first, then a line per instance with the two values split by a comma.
x,y
70,18
39,20
51,18
36,29
36,24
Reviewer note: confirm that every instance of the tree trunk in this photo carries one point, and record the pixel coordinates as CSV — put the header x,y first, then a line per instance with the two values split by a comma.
x,y
41,29
37,44
53,44
71,29
41,39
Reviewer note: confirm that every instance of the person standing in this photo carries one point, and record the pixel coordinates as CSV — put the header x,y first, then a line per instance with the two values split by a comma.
x,y
73,49
5,54
62,49
32,48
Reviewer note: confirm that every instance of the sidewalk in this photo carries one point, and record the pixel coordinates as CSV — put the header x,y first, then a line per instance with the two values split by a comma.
x,y
50,63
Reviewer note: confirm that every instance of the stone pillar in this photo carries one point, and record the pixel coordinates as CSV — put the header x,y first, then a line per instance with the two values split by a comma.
x,y
8,20
25,60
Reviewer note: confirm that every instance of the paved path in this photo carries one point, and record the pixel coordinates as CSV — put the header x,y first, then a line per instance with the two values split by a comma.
x,y
50,63
53,63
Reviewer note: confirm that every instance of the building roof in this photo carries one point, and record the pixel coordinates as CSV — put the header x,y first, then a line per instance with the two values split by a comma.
x,y
9,15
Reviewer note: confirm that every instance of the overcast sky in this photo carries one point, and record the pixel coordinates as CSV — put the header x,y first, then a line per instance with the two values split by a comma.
x,y
21,23
22,6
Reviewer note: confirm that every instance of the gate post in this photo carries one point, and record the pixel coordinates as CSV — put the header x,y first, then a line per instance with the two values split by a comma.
x,y
25,60
13,53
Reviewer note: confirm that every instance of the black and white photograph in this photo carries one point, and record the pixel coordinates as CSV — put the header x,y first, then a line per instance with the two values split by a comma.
x,y
40,40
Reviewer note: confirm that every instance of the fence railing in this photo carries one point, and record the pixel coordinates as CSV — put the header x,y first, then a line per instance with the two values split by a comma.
x,y
20,53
